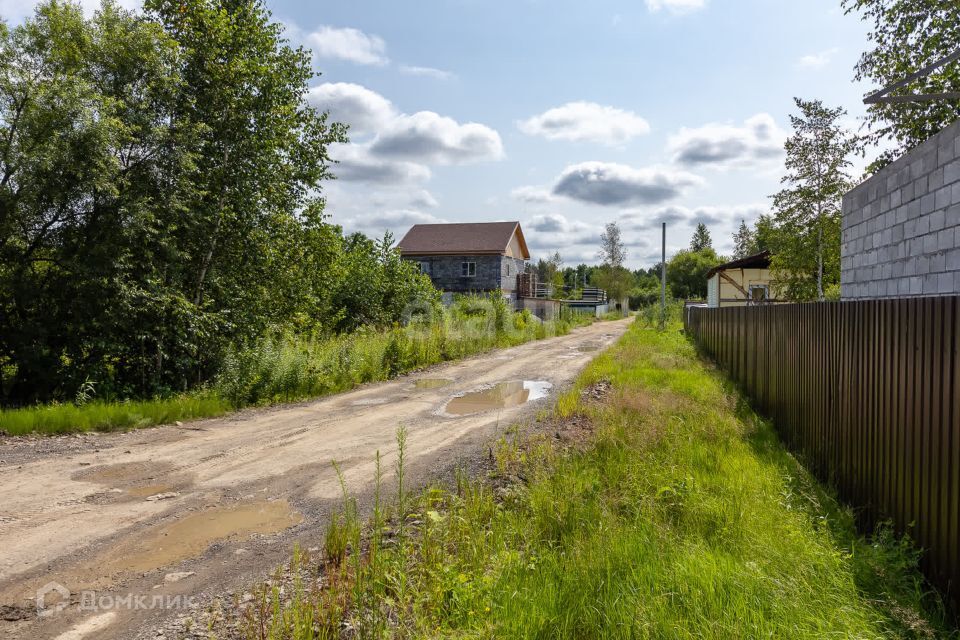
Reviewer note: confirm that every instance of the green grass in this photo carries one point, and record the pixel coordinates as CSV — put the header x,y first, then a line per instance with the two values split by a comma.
x,y
682,517
111,416
288,368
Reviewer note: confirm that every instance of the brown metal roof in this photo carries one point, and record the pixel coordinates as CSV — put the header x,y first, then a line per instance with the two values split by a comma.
x,y
758,261
462,238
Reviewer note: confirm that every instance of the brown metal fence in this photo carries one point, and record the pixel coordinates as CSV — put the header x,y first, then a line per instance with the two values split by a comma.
x,y
868,393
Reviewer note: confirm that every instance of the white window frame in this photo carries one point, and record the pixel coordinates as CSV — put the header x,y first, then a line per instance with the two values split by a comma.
x,y
763,287
468,269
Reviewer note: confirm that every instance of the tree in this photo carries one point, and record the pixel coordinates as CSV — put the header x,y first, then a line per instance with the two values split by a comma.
x,y
807,211
612,276
743,242
908,35
687,272
160,201
613,253
701,238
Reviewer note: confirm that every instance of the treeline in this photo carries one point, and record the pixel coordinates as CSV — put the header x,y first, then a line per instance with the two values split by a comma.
x,y
160,201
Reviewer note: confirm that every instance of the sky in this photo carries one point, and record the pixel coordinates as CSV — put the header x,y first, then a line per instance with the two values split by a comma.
x,y
567,115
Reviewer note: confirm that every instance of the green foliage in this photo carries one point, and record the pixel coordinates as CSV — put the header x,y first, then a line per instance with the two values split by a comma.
x,y
687,273
807,211
908,35
744,242
701,239
291,367
160,202
680,516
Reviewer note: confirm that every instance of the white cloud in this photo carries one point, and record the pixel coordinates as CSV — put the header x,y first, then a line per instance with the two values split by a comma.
x,y
348,44
396,221
532,195
577,241
758,140
364,110
817,60
356,164
723,217
676,6
423,199
611,184
426,72
429,137
586,122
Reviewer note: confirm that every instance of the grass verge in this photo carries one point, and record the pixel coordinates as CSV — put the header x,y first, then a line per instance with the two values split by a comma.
x,y
678,516
287,368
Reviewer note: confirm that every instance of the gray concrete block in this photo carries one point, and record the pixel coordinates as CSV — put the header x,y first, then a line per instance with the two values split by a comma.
x,y
937,220
935,179
944,198
951,172
945,239
945,283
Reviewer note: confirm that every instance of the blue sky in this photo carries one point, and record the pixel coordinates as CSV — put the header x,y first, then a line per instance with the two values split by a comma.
x,y
567,115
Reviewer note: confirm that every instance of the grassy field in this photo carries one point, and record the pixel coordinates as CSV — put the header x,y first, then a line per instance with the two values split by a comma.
x,y
287,369
678,515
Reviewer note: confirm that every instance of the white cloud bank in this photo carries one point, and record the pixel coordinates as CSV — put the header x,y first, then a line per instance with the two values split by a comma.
x,y
347,43
758,140
586,122
396,148
611,184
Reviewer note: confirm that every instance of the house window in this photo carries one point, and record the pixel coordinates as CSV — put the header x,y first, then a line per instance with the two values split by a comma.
x,y
425,267
759,293
468,269
508,269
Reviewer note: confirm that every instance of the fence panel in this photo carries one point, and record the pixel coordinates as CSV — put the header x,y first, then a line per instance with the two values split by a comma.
x,y
868,393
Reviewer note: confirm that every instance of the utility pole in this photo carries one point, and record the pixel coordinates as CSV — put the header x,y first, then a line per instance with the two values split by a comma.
x,y
663,279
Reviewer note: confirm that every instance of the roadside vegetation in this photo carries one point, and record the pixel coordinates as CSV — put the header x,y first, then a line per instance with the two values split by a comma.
x,y
287,367
652,503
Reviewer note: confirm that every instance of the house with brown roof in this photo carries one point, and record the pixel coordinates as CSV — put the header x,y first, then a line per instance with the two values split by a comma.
x,y
469,257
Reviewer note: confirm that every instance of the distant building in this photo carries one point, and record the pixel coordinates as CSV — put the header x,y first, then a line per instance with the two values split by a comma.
x,y
473,257
742,282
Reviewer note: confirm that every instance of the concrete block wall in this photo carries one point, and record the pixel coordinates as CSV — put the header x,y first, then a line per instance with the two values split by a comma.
x,y
901,228
447,274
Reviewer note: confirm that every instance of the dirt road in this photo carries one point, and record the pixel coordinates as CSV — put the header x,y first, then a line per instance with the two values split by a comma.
x,y
123,531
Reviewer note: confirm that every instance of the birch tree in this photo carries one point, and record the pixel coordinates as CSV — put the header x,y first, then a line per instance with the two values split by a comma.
x,y
807,210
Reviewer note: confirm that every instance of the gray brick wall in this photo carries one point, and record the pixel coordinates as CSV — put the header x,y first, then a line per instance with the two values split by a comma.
x,y
901,228
492,272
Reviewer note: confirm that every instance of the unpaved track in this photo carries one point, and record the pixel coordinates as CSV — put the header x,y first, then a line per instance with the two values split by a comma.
x,y
239,490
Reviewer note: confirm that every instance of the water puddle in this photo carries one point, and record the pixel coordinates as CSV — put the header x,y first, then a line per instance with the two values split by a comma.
x,y
190,536
500,396
432,383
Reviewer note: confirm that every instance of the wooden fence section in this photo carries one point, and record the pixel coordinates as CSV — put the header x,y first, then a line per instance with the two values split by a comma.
x,y
868,393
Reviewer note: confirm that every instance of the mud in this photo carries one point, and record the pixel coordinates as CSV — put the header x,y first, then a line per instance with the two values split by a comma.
x,y
432,383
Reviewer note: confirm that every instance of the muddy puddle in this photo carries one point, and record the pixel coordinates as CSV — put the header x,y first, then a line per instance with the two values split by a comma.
x,y
169,543
432,383
134,479
500,396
